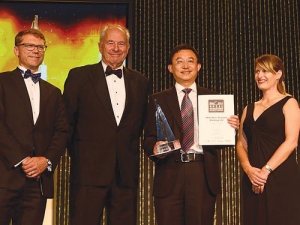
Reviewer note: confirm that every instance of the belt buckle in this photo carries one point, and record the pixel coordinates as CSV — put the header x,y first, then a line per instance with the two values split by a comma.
x,y
185,157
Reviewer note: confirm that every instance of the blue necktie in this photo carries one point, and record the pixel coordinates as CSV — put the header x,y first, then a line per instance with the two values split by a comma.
x,y
35,77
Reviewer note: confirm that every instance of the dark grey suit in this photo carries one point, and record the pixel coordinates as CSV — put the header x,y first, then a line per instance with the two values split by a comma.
x,y
99,148
167,169
20,137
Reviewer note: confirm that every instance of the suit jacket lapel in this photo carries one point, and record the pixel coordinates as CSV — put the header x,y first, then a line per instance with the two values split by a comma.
x,y
171,98
129,82
99,83
17,78
172,102
44,96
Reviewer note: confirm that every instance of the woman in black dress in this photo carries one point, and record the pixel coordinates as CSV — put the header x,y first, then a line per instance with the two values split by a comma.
x,y
266,146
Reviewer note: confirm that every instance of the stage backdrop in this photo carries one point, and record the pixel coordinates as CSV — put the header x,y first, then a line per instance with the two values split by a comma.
x,y
71,31
229,34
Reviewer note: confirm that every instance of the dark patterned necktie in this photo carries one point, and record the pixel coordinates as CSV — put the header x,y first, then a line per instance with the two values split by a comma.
x,y
187,116
110,71
34,76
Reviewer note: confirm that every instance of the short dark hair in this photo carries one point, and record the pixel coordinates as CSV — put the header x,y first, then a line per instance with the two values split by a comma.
x,y
183,47
34,32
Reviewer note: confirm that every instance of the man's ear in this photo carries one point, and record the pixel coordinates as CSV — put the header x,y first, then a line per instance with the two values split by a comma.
x,y
199,66
16,51
170,68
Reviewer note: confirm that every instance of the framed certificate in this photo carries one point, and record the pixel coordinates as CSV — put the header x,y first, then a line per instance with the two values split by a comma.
x,y
213,111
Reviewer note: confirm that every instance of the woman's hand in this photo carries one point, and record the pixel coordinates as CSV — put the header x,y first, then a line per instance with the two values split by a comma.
x,y
256,176
258,189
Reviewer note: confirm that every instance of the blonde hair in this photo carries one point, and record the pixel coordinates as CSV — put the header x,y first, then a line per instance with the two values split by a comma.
x,y
273,64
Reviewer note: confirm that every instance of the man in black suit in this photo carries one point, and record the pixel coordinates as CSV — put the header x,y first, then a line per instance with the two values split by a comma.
x,y
33,134
106,104
187,180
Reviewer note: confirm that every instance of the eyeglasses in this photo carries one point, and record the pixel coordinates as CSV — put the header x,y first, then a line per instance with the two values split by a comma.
x,y
181,62
31,47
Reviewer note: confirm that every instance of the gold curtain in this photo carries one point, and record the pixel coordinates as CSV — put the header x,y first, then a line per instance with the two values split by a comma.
x,y
229,34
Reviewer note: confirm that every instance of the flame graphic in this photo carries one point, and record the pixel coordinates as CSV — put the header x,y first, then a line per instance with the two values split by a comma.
x,y
68,47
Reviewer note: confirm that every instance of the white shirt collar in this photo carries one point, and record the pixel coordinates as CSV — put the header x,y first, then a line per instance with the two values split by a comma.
x,y
24,69
179,87
104,67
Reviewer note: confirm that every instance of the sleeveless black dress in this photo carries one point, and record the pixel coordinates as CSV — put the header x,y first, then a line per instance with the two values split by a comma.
x,y
279,204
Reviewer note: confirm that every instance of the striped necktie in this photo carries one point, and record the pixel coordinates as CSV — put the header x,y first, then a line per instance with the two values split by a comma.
x,y
187,116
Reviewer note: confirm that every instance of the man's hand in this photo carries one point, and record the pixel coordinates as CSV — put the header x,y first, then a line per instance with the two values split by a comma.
x,y
234,121
155,150
34,166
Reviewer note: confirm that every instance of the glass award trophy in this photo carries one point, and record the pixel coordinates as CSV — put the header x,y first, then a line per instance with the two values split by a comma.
x,y
164,133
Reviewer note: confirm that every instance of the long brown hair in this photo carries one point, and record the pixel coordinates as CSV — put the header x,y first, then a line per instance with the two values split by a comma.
x,y
273,64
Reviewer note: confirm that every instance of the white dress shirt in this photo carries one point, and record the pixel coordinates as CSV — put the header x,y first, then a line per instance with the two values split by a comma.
x,y
196,148
34,95
33,90
117,93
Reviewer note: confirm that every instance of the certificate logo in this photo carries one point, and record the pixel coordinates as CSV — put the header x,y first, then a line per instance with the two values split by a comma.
x,y
216,105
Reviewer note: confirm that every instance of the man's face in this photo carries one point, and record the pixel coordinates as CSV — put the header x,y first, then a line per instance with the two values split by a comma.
x,y
114,47
185,67
30,59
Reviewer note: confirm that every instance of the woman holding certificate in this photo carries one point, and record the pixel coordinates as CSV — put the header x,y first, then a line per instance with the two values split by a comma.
x,y
266,146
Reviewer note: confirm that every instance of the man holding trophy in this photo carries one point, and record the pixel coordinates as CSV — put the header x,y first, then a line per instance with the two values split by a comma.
x,y
187,177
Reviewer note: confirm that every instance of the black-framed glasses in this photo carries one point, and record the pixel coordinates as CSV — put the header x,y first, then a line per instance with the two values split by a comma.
x,y
31,47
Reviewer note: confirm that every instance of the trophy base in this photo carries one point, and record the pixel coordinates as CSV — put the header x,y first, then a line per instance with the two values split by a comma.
x,y
168,146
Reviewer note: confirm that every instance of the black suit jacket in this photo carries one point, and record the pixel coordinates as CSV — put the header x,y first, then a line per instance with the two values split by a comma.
x,y
20,137
166,169
97,143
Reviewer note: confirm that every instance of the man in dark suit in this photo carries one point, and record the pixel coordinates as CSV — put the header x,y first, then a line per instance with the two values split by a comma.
x,y
106,104
33,134
187,180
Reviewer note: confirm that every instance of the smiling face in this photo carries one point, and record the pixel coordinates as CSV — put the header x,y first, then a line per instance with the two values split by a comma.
x,y
185,67
114,47
30,59
269,73
266,80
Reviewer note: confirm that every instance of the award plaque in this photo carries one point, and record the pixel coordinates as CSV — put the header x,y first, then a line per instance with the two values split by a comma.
x,y
213,112
164,133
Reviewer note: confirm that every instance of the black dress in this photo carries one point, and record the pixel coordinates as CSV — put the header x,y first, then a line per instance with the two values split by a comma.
x,y
279,204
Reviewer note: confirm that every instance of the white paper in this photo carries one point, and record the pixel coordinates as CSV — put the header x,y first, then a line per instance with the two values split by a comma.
x,y
213,111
